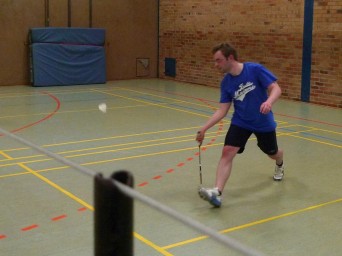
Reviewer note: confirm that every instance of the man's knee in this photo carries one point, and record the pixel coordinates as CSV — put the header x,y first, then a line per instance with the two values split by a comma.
x,y
229,151
271,152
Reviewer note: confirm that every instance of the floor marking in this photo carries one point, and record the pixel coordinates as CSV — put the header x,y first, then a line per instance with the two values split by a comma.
x,y
29,227
108,138
168,140
309,120
254,223
143,184
43,119
163,97
8,157
72,196
312,140
182,164
2,236
3,165
153,104
154,246
139,156
166,253
59,217
292,117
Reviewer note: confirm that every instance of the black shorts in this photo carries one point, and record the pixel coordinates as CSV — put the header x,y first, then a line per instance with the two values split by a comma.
x,y
238,137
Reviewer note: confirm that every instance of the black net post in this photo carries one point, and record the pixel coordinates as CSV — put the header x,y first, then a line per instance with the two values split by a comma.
x,y
113,216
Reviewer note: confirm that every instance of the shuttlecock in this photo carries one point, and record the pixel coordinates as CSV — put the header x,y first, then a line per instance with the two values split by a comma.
x,y
103,107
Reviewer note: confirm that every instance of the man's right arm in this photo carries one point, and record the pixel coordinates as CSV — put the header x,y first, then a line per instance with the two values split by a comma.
x,y
220,113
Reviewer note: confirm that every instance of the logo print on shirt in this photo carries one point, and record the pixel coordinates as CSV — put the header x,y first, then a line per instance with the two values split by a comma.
x,y
243,90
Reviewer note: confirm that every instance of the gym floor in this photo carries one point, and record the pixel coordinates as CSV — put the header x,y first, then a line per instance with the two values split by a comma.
x,y
149,129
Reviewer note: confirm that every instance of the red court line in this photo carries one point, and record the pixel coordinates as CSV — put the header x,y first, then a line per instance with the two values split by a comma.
x,y
59,217
143,184
29,227
188,159
58,105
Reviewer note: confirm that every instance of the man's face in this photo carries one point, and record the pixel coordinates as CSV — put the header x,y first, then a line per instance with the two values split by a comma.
x,y
221,62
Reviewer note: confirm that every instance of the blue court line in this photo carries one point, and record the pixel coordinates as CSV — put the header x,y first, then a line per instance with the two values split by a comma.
x,y
312,135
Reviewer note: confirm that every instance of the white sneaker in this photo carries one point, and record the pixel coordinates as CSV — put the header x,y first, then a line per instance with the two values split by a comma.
x,y
212,195
279,173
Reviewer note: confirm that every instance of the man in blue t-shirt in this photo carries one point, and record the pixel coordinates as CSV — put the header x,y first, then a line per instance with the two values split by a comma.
x,y
253,90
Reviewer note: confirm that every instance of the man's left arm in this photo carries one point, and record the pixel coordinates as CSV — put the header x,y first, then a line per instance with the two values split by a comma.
x,y
274,93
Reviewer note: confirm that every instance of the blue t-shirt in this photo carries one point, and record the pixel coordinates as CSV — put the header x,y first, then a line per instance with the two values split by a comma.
x,y
248,91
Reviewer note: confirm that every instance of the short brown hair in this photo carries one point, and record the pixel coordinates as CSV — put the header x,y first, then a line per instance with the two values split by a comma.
x,y
226,50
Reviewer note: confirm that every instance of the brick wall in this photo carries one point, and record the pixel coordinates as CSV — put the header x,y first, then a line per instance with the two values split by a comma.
x,y
326,78
265,31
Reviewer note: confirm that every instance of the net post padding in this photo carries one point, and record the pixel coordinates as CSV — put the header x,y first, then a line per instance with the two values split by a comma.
x,y
113,216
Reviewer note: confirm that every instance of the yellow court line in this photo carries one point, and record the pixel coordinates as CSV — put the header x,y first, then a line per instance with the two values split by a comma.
x,y
71,111
168,98
107,149
312,140
145,155
109,146
142,155
155,95
154,246
254,223
98,162
320,129
14,174
46,180
8,157
153,104
13,161
107,138
296,132
90,207
130,148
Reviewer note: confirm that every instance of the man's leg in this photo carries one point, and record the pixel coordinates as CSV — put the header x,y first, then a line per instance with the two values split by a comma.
x,y
224,167
278,157
267,142
235,142
279,168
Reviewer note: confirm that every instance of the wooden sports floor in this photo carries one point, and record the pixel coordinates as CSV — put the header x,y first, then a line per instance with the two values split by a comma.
x,y
149,129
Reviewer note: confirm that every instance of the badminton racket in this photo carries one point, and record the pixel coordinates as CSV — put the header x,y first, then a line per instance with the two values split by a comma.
x,y
200,164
